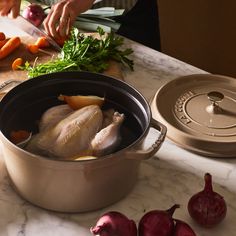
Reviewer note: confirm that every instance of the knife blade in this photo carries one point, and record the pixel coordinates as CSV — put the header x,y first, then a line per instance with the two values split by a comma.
x,y
32,30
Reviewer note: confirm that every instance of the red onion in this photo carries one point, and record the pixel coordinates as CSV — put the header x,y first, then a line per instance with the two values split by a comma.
x,y
207,207
34,13
114,224
183,229
157,222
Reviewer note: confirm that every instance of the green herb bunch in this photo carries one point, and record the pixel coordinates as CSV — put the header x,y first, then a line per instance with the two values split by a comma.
x,y
84,53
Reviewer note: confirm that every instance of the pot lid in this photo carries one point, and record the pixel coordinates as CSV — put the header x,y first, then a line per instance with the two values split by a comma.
x,y
200,113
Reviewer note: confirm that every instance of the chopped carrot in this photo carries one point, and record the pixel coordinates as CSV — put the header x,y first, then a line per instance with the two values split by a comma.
x,y
3,42
42,42
2,36
19,136
33,48
17,63
11,45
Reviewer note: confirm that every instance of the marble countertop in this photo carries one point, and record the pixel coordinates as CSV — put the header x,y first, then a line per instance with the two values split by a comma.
x,y
170,177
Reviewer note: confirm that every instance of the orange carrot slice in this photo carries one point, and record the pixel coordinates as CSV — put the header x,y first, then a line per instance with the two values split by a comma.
x,y
79,101
16,63
11,45
33,48
42,42
19,136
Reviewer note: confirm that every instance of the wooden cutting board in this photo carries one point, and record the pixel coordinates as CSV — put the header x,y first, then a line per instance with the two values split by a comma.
x,y
6,72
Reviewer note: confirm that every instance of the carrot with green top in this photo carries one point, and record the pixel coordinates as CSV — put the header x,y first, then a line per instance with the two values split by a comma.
x,y
17,63
11,45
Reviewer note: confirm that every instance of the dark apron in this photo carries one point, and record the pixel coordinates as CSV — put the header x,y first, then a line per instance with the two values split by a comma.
x,y
141,24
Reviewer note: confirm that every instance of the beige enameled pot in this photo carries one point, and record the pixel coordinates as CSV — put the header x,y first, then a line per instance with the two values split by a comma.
x,y
76,186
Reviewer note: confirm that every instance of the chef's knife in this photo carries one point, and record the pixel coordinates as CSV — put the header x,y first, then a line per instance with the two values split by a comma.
x,y
32,30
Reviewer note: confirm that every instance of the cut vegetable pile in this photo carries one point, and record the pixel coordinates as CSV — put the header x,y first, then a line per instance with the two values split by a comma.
x,y
84,53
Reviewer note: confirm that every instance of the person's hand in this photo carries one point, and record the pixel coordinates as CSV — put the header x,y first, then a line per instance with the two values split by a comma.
x,y
10,8
62,16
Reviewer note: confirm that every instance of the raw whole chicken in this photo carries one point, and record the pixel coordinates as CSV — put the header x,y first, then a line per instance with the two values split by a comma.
x,y
68,134
53,116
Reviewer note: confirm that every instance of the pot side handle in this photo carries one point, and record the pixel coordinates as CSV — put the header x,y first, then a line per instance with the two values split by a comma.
x,y
148,153
6,86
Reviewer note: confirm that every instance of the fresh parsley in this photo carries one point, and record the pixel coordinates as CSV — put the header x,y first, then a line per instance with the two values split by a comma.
x,y
84,53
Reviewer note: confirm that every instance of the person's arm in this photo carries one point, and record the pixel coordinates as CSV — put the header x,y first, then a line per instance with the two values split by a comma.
x,y
62,16
10,8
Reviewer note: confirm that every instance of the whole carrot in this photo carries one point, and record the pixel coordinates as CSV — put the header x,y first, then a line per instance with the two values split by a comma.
x,y
12,44
3,42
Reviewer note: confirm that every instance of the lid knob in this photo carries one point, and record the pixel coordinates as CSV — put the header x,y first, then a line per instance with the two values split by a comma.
x,y
215,97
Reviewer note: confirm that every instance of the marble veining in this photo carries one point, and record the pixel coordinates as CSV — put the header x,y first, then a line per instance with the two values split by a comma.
x,y
159,186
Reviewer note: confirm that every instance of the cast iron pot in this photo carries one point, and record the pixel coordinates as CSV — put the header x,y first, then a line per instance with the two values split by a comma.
x,y
76,186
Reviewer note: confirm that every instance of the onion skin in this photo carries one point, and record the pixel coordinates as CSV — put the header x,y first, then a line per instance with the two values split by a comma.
x,y
207,207
157,223
34,13
183,229
114,224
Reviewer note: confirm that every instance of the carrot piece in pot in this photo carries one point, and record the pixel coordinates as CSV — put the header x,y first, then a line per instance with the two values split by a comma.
x,y
11,45
19,136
